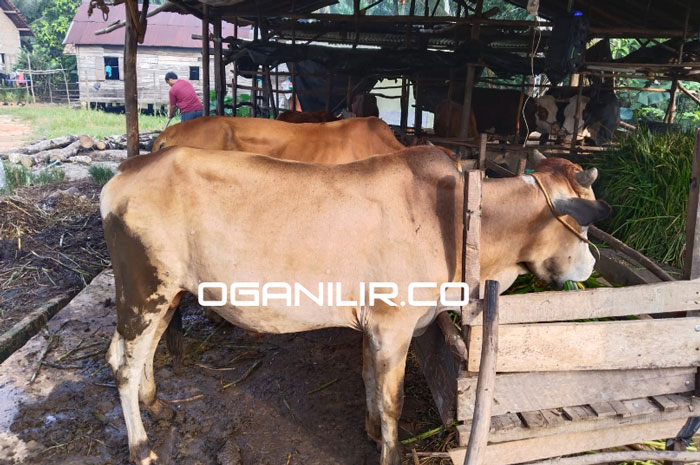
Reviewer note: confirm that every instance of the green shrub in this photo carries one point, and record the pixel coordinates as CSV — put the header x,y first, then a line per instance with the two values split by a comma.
x,y
646,179
100,174
17,176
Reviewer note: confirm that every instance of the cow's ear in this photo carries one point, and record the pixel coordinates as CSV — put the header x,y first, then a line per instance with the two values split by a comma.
x,y
584,211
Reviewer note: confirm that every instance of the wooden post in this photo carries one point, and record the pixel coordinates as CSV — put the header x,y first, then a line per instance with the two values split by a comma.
x,y
482,152
671,109
234,82
31,79
577,116
481,421
469,82
294,89
205,58
218,81
471,236
418,115
691,268
348,95
65,80
131,105
404,105
329,90
50,90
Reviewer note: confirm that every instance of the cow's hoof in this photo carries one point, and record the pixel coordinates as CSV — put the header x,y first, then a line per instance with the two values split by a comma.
x,y
159,410
141,454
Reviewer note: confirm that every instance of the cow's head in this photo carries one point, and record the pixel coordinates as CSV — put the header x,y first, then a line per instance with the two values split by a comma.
x,y
560,252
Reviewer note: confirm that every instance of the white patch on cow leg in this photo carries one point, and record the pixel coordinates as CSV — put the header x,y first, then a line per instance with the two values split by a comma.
x,y
127,359
147,388
372,420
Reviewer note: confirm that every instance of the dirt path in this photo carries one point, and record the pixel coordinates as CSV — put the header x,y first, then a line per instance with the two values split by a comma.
x,y
71,413
14,132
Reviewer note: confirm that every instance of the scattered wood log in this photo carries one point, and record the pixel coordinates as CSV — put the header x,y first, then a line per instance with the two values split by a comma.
x,y
88,143
44,145
58,154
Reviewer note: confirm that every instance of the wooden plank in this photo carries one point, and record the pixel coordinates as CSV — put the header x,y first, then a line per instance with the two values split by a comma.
x,y
641,406
552,417
559,425
609,345
526,450
603,409
620,408
577,413
522,392
593,303
534,419
440,369
205,58
471,238
692,225
665,403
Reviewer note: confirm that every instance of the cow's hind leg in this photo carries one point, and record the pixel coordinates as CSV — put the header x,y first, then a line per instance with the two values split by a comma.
x,y
389,338
147,390
372,420
132,345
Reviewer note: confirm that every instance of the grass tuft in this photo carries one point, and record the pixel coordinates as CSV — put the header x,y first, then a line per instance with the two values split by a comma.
x,y
17,176
100,174
646,179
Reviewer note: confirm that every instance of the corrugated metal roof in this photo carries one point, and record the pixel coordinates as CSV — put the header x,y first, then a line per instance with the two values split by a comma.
x,y
16,17
164,29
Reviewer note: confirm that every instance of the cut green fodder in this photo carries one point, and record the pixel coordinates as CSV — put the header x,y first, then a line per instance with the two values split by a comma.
x,y
100,174
646,179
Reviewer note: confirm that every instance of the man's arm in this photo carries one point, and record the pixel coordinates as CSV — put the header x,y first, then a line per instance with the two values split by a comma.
x,y
171,110
173,100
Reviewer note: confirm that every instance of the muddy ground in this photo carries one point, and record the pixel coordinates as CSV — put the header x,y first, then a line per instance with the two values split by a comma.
x,y
51,243
71,413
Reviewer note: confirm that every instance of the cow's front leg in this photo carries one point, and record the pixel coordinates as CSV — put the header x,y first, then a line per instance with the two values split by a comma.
x,y
389,341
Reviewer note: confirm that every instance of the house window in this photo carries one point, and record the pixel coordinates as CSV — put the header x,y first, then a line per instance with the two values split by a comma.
x,y
194,73
111,68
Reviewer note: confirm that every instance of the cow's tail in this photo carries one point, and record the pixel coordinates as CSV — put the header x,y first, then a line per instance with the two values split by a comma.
x,y
174,339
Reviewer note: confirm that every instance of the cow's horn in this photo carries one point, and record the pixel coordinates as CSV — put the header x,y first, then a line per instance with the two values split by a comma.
x,y
586,178
537,157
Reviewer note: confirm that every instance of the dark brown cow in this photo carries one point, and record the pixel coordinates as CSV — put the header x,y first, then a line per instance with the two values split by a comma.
x,y
320,116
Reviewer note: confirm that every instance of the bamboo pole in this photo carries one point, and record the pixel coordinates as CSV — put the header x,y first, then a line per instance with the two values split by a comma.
x,y
418,114
481,422
626,456
404,105
577,115
31,79
691,268
205,58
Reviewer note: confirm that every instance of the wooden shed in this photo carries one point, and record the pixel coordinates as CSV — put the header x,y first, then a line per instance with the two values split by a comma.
x,y
13,26
168,46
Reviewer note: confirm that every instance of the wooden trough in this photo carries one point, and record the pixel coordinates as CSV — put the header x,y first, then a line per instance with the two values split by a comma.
x,y
576,371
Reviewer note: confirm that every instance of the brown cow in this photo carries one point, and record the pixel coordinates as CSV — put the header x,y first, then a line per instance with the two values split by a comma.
x,y
393,218
320,116
335,142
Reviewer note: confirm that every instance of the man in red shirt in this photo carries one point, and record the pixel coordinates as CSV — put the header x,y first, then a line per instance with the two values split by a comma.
x,y
183,96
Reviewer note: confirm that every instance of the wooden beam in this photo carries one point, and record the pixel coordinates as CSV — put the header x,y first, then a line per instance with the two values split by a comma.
x,y
600,345
205,58
664,297
481,422
527,450
691,269
671,109
626,456
131,104
692,97
404,105
522,392
218,68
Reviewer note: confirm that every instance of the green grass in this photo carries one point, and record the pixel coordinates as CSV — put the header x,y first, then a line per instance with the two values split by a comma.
x,y
646,179
55,120
100,174
18,176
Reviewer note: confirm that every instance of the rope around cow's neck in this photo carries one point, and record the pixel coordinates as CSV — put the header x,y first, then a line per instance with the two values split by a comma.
x,y
559,217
